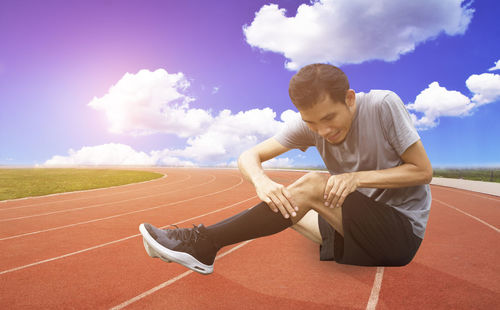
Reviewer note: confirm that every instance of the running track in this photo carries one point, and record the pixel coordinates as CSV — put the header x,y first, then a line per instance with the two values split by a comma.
x,y
83,251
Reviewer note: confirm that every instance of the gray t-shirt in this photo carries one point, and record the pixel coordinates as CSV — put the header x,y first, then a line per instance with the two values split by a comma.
x,y
381,132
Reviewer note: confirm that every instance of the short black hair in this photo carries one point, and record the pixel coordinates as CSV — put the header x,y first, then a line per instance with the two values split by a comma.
x,y
314,81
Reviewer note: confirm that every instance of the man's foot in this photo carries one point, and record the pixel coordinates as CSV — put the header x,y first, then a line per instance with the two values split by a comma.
x,y
189,247
151,252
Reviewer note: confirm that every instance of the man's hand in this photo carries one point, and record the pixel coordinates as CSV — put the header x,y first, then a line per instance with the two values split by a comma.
x,y
338,187
276,196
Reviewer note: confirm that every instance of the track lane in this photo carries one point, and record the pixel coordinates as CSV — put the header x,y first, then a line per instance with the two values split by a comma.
x,y
103,230
270,283
468,192
482,206
275,272
67,219
119,271
457,264
173,280
92,265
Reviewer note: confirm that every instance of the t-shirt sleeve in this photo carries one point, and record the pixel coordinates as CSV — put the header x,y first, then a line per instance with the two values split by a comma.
x,y
296,135
396,123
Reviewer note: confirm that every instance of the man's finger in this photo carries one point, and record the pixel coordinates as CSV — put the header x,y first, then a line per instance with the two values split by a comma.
x,y
271,204
328,187
290,199
279,205
343,196
338,192
288,206
332,194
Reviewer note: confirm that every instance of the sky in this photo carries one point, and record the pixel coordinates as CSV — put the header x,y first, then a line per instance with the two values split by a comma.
x,y
195,83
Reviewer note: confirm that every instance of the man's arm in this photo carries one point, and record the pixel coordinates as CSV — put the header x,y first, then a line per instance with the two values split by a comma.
x,y
415,170
274,194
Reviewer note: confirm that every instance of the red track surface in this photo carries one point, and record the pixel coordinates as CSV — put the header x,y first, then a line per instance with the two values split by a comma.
x,y
82,250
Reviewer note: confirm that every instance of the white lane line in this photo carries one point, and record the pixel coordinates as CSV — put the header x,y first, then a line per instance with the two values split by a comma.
x,y
469,215
65,255
74,192
171,281
119,240
93,197
467,192
101,204
121,214
377,285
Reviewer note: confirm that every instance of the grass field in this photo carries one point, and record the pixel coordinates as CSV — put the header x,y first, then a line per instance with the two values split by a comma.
x,y
19,183
486,175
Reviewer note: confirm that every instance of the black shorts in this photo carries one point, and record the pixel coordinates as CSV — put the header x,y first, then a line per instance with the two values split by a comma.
x,y
375,234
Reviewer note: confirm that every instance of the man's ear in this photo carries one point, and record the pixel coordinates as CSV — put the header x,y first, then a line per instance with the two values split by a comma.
x,y
350,98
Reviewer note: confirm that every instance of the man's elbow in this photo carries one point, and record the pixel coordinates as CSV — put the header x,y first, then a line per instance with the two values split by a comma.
x,y
427,175
244,158
241,158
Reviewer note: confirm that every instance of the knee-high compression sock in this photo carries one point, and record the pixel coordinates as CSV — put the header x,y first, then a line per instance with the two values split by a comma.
x,y
258,221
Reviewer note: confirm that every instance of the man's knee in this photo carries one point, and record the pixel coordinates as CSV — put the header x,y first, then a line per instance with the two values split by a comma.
x,y
311,185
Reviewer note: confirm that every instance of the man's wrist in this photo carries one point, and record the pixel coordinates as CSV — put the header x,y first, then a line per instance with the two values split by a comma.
x,y
259,178
358,176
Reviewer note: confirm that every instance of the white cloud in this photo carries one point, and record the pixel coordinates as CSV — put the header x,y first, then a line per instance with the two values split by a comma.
x,y
436,101
278,162
124,155
495,67
281,162
106,154
151,102
225,137
346,31
230,134
115,154
289,115
486,88
215,90
231,164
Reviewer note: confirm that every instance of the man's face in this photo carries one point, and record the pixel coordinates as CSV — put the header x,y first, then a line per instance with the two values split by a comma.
x,y
331,120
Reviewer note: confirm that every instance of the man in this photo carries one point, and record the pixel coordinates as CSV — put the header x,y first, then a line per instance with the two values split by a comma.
x,y
372,208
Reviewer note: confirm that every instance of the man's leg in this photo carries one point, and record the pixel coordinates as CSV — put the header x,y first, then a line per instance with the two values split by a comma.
x,y
307,193
260,221
308,227
375,233
202,243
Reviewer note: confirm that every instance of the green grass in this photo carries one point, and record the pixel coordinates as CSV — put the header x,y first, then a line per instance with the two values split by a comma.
x,y
19,183
487,175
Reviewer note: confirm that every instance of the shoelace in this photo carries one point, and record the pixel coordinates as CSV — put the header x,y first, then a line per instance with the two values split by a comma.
x,y
185,234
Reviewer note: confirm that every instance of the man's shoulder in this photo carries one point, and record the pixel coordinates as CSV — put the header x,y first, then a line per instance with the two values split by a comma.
x,y
378,100
376,95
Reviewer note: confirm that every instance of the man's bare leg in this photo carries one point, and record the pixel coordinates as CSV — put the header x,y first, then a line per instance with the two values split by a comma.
x,y
307,193
308,227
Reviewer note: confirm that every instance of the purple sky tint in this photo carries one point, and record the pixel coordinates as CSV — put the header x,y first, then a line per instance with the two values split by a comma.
x,y
56,56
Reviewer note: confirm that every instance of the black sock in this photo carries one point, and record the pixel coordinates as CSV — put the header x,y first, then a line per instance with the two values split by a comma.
x,y
258,221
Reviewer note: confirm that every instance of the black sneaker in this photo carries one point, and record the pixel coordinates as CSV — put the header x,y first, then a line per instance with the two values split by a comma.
x,y
189,247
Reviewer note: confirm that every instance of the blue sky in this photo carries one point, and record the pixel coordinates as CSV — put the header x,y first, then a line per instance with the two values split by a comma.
x,y
197,82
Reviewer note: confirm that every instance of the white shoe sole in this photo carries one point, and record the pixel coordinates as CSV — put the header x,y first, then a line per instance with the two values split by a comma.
x,y
156,250
152,253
